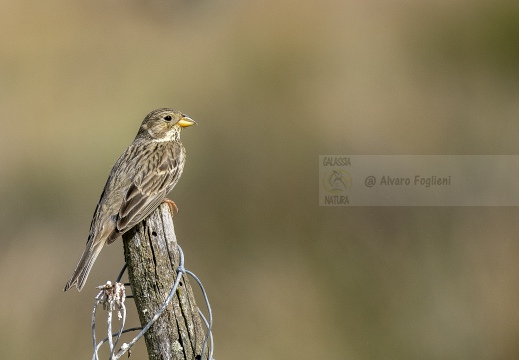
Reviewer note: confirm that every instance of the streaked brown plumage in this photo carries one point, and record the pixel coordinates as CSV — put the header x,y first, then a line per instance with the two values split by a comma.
x,y
139,181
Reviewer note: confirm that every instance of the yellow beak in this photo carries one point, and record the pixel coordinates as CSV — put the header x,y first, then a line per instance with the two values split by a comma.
x,y
186,121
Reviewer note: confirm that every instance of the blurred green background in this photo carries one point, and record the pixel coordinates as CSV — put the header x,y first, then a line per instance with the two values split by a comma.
x,y
273,85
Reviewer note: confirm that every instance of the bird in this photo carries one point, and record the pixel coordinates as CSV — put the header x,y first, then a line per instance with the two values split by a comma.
x,y
138,183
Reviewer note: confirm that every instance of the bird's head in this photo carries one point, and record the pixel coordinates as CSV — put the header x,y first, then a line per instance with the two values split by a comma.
x,y
164,125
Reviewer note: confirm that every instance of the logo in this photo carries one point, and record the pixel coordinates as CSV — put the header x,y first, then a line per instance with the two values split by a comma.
x,y
336,181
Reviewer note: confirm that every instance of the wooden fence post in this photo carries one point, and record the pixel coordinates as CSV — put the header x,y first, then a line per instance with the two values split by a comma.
x,y
151,252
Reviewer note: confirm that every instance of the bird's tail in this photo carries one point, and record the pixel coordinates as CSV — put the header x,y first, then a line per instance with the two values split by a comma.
x,y
79,276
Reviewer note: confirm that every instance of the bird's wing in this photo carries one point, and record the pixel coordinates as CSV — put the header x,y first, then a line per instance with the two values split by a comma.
x,y
149,187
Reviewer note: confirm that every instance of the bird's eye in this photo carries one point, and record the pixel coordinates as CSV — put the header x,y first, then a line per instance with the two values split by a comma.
x,y
167,117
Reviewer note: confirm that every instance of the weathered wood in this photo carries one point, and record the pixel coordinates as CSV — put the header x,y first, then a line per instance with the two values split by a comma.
x,y
151,252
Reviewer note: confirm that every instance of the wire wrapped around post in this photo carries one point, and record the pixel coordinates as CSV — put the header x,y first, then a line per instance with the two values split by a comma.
x,y
152,255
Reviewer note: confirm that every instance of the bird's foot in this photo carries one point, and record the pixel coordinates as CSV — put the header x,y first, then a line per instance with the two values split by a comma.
x,y
173,209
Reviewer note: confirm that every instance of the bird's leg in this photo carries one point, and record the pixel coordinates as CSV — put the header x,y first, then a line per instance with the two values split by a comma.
x,y
173,209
